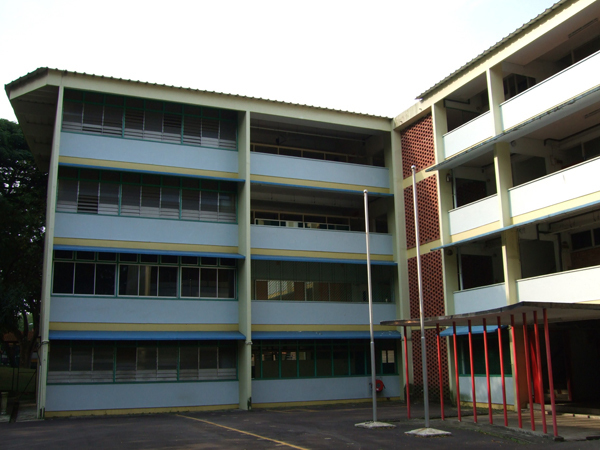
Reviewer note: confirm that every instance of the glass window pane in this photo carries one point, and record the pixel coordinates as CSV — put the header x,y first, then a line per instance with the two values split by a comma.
x,y
289,361
227,358
109,199
167,282
60,358
270,361
169,203
226,283
208,357
84,278
208,283
63,278
107,256
128,280
188,358
190,204
87,200
103,358
340,360
306,360
149,281
323,360
130,203
105,279
126,362
358,359
167,358
81,359
146,358
67,195
190,282
150,201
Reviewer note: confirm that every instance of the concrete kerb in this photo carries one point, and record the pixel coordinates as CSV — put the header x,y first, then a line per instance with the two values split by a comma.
x,y
374,425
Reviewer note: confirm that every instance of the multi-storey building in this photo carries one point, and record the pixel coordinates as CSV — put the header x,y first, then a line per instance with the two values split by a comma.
x,y
208,250
508,148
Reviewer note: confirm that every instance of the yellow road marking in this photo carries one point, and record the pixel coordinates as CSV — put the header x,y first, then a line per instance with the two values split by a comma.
x,y
244,432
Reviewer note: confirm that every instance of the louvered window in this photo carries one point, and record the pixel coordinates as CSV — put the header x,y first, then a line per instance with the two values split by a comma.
x,y
154,120
133,194
77,362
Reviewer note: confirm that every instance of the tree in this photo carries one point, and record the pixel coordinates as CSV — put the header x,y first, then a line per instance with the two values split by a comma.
x,y
22,220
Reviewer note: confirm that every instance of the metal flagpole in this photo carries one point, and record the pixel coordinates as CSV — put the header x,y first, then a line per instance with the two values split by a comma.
x,y
421,314
373,382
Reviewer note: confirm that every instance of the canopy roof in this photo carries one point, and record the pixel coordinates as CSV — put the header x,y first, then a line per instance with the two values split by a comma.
x,y
557,312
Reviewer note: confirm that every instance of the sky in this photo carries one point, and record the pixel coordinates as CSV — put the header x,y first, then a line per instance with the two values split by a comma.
x,y
371,57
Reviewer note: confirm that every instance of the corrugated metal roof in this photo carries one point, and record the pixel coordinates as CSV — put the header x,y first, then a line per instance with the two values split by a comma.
x,y
43,70
493,47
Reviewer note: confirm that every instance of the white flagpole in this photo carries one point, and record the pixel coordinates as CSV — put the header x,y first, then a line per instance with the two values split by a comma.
x,y
373,381
421,313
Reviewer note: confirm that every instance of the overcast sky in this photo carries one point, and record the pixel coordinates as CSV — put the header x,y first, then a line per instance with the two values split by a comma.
x,y
370,56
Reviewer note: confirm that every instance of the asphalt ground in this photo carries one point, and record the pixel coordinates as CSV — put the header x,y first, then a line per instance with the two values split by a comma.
x,y
294,428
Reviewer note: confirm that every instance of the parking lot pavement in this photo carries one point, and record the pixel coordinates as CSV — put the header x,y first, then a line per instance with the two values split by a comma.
x,y
299,428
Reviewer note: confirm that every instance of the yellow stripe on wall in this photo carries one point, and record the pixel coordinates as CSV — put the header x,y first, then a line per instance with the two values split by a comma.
x,y
318,184
324,255
286,327
103,326
476,231
145,167
162,246
553,209
111,412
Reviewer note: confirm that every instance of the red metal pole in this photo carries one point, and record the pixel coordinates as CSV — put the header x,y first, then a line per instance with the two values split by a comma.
x,y
439,349
456,371
550,377
539,366
487,371
406,370
516,374
502,372
472,374
528,370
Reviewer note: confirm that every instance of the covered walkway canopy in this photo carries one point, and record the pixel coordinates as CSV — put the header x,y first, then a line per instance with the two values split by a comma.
x,y
495,320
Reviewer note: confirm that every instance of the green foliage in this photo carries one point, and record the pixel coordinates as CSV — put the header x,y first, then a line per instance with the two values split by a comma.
x,y
22,220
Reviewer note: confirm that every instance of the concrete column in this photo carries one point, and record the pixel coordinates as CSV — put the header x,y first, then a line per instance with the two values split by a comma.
x,y
396,225
48,256
510,239
495,85
244,268
445,204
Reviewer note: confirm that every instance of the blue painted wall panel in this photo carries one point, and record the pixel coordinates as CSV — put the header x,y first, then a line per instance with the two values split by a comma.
x,y
277,312
307,239
317,389
138,229
142,310
140,395
314,170
147,152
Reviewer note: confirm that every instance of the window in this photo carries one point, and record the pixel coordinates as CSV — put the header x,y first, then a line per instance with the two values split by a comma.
x,y
323,282
141,361
91,273
321,358
464,362
133,194
154,120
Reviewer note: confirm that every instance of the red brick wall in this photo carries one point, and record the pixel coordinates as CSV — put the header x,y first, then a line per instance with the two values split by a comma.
x,y
427,201
417,146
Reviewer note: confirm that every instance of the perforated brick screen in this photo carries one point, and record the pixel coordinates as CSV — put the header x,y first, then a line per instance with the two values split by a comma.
x,y
417,146
433,285
433,380
429,225
433,305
